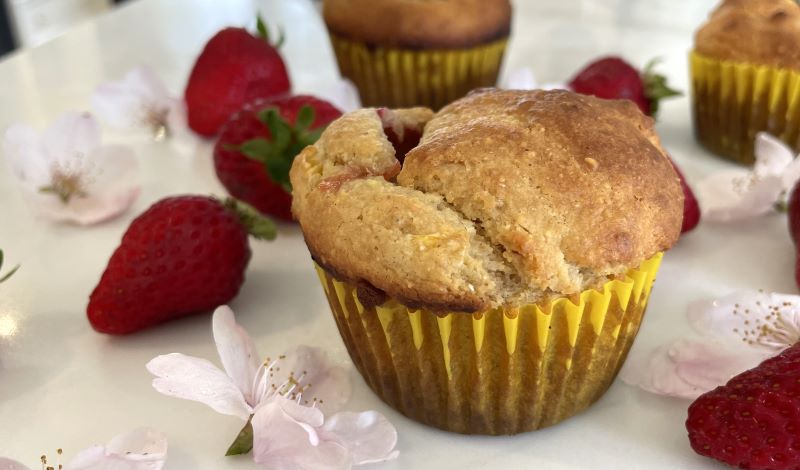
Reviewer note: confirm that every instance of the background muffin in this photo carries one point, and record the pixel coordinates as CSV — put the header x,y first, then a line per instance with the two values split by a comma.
x,y
493,279
746,76
403,53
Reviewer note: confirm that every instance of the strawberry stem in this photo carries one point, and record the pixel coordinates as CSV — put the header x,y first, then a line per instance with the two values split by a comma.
x,y
655,86
8,274
263,33
244,440
260,227
286,141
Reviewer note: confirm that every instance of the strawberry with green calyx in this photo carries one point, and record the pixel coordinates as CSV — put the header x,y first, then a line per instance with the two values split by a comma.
x,y
257,146
4,277
614,78
234,68
183,255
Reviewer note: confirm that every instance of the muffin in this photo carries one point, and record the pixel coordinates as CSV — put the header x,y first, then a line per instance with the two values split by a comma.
x,y
402,53
745,71
492,279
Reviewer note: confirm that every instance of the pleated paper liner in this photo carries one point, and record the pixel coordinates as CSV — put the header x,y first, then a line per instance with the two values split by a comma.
x,y
733,101
398,78
503,371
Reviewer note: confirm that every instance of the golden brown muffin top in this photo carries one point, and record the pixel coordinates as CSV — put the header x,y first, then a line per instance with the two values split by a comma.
x,y
419,23
510,197
765,32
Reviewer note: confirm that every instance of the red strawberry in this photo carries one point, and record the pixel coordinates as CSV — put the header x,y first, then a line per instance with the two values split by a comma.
x,y
794,213
691,210
753,421
402,136
258,144
185,254
234,68
613,78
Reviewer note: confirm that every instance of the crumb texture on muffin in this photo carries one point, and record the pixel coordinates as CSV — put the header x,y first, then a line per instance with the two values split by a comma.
x,y
510,197
764,32
419,23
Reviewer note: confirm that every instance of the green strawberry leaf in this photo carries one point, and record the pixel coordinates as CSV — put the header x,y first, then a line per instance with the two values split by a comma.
x,y
287,141
257,149
305,117
263,32
655,86
243,442
257,225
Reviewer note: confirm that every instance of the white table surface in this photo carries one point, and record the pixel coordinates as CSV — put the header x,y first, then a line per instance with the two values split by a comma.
x,y
63,385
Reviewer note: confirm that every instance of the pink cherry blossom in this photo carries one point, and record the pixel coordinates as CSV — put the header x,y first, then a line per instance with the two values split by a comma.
x,y
290,401
140,101
734,334
65,174
737,193
140,449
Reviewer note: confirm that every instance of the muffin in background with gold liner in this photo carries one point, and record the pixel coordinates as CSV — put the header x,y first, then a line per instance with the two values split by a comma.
x,y
402,53
492,279
745,72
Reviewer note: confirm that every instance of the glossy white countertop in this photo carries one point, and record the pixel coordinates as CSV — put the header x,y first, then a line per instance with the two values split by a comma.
x,y
63,385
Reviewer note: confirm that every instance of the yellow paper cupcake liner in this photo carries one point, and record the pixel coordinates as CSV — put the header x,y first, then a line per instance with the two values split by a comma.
x,y
502,371
733,101
399,78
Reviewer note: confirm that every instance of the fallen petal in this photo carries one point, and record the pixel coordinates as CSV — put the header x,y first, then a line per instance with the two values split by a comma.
x,y
329,383
8,464
768,322
196,379
140,449
772,155
280,441
368,436
731,195
70,135
236,351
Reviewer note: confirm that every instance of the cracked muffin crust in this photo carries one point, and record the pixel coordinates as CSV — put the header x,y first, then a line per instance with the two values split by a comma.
x,y
510,197
765,32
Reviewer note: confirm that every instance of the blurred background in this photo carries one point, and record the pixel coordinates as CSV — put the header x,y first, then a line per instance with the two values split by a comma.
x,y
27,23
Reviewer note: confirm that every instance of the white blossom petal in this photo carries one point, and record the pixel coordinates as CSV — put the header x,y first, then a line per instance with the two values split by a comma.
x,y
282,438
734,195
8,464
141,449
236,351
769,322
687,368
738,194
66,176
69,135
25,155
322,381
772,155
199,380
140,100
368,436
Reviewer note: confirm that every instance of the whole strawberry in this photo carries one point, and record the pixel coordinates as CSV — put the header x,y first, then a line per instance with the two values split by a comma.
x,y
753,421
794,213
613,78
234,68
691,209
183,255
257,146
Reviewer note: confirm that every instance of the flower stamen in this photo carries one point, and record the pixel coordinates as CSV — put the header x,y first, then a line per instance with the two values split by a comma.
x,y
65,183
